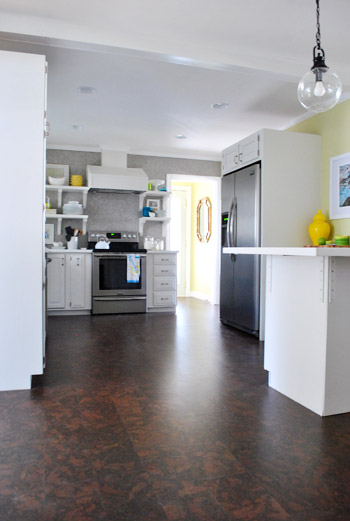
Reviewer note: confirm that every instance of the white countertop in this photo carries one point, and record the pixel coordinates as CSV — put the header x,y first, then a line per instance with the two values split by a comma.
x,y
56,250
162,251
341,251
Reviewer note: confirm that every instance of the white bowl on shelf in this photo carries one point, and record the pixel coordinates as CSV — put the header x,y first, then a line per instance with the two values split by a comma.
x,y
58,181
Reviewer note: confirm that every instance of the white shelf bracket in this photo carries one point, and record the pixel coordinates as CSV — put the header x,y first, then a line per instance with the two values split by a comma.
x,y
322,278
84,226
59,198
59,225
331,296
269,273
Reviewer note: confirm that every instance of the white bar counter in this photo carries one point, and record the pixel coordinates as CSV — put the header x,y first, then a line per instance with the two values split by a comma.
x,y
307,324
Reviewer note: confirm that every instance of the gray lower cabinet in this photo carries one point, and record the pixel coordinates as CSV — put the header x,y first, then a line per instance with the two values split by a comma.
x,y
161,281
69,283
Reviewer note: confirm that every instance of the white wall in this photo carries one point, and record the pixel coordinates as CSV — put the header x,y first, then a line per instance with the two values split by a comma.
x,y
22,98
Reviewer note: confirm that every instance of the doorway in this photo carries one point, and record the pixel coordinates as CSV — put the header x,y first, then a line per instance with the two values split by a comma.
x,y
198,262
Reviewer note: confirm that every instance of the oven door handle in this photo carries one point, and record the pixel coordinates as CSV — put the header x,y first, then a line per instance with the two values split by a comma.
x,y
125,297
111,255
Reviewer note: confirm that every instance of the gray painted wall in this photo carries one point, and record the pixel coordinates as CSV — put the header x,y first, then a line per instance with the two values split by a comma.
x,y
117,211
158,167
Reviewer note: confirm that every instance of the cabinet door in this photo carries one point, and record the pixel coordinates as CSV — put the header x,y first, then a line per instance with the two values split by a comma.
x,y
249,149
230,159
56,277
76,281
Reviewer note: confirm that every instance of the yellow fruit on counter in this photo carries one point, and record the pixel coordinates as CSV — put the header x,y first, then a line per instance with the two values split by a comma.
x,y
319,228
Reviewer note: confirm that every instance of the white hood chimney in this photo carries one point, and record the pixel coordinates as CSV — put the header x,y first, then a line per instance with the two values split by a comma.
x,y
114,176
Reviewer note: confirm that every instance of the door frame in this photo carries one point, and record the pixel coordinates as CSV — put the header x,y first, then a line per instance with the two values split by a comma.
x,y
216,220
188,191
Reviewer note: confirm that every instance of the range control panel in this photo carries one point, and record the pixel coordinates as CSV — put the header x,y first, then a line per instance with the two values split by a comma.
x,y
113,236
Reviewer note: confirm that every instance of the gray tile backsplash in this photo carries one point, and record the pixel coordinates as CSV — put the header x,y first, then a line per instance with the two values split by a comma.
x,y
120,211
76,160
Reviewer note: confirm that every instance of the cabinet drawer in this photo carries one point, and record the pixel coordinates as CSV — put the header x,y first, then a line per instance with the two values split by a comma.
x,y
164,283
164,259
160,270
164,299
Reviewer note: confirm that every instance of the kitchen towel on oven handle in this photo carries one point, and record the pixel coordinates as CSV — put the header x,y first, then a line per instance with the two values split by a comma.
x,y
133,268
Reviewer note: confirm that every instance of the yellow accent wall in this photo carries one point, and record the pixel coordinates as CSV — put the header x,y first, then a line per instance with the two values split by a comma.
x,y
202,254
334,128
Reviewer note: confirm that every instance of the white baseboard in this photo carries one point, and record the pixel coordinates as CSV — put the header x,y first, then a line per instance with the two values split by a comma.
x,y
200,296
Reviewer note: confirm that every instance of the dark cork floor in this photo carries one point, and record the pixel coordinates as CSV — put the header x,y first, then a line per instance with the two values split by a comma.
x,y
161,417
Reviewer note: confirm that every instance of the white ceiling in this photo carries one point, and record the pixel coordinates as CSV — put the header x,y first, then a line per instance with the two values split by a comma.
x,y
158,66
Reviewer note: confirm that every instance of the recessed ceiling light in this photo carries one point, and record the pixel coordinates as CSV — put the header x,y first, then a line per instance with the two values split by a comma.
x,y
86,90
181,136
220,105
77,127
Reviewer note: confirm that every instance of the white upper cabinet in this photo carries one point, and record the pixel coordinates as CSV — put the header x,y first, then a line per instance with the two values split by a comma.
x,y
240,154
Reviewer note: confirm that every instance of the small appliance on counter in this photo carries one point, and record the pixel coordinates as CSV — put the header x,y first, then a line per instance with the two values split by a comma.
x,y
111,291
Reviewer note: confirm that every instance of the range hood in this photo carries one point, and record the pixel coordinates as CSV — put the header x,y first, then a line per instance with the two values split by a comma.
x,y
116,179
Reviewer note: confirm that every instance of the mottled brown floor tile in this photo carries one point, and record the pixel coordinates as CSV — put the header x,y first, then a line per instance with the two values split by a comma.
x,y
165,417
73,509
192,508
140,509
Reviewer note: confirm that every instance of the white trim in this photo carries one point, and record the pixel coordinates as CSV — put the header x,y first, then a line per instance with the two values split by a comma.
x,y
306,115
75,148
188,191
186,178
212,156
215,156
201,296
215,297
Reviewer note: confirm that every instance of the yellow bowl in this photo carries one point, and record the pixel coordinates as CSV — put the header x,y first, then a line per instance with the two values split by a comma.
x,y
76,180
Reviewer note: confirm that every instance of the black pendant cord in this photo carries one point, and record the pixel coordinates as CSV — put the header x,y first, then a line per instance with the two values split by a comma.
x,y
318,26
318,54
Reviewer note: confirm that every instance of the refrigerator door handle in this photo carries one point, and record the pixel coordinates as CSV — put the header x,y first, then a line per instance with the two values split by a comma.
x,y
234,235
228,229
233,227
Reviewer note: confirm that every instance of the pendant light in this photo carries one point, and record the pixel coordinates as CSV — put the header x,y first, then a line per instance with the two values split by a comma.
x,y
319,89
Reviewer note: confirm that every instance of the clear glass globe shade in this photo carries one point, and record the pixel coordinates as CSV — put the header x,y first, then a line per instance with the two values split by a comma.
x,y
315,98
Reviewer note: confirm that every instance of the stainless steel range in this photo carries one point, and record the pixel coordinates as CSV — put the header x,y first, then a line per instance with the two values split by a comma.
x,y
111,291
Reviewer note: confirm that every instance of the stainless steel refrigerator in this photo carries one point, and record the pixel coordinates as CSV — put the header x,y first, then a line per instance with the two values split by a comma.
x,y
240,226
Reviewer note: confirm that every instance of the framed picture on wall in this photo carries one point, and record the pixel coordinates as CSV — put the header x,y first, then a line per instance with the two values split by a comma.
x,y
339,189
153,203
49,233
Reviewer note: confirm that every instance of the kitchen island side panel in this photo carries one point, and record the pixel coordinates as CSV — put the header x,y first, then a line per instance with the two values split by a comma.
x,y
296,328
337,394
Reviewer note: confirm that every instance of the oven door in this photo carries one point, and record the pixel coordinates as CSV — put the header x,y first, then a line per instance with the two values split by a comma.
x,y
109,276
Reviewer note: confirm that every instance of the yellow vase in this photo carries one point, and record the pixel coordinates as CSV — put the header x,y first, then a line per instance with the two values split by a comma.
x,y
319,228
